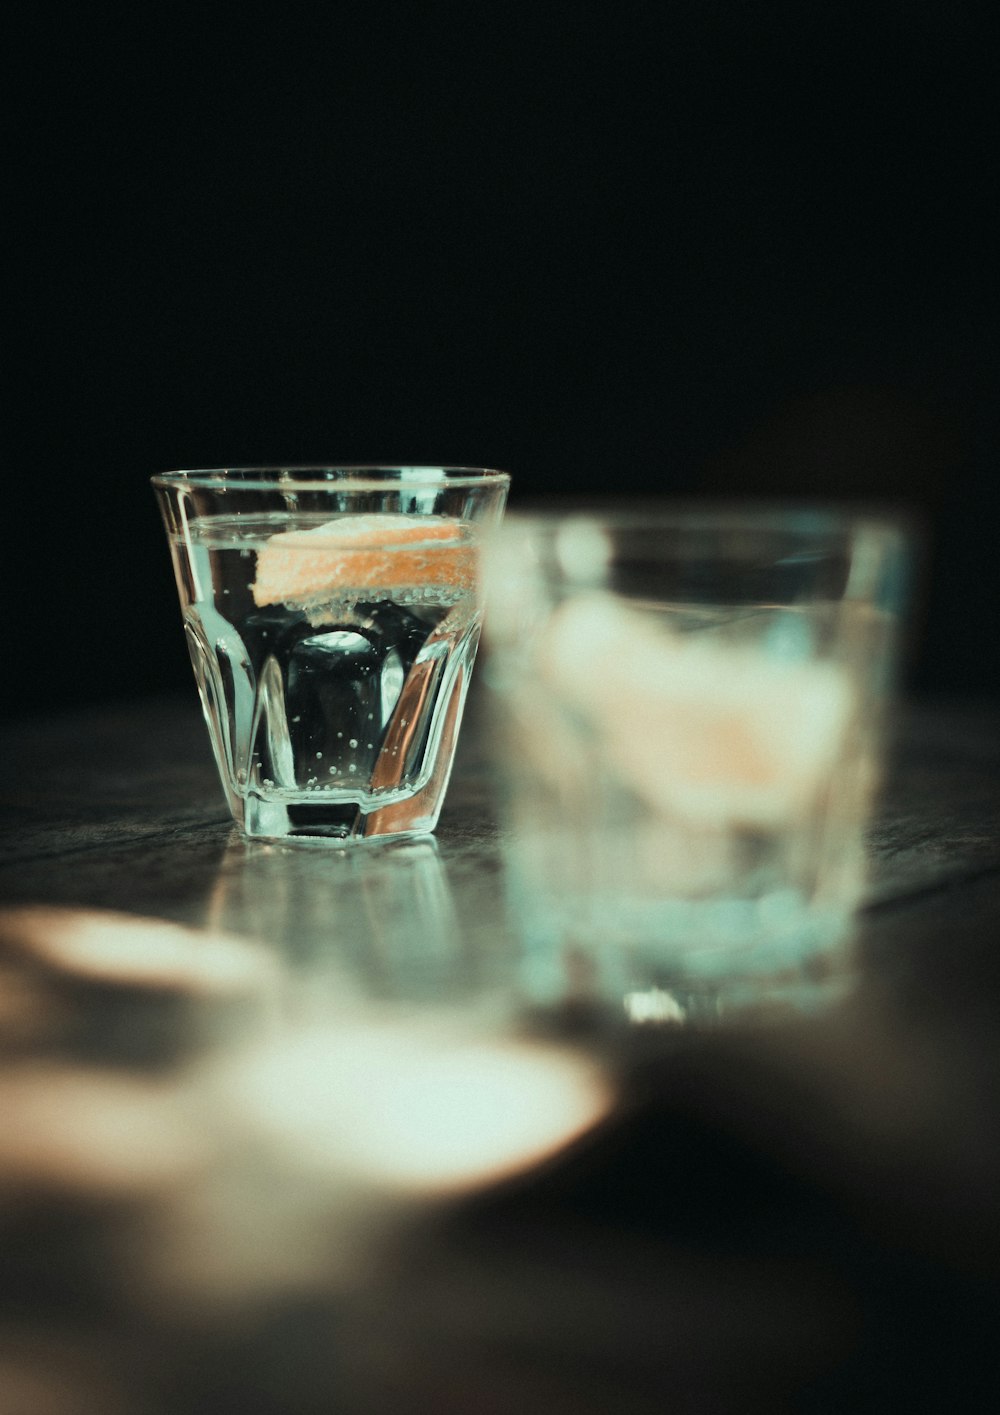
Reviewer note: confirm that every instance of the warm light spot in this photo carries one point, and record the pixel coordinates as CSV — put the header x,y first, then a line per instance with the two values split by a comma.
x,y
400,1107
89,1130
135,951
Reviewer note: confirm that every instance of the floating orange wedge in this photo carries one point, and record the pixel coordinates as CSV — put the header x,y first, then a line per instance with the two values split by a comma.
x,y
712,733
371,552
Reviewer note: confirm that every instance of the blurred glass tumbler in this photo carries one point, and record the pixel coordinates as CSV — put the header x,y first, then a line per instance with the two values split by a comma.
x,y
332,615
688,713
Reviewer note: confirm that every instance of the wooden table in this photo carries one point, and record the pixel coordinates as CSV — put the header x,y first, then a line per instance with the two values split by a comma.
x,y
315,1157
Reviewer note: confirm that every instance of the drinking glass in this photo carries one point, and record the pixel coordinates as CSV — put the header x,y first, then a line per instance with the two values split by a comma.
x,y
332,615
688,707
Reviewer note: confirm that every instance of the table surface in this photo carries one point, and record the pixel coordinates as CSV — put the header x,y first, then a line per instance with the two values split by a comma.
x,y
315,1156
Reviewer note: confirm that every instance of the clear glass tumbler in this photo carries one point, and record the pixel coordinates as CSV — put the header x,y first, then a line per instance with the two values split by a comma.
x,y
332,616
688,707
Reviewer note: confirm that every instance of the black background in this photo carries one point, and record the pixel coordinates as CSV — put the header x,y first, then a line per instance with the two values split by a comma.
x,y
689,249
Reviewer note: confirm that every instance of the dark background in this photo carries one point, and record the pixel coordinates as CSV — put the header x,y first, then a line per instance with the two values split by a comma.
x,y
695,249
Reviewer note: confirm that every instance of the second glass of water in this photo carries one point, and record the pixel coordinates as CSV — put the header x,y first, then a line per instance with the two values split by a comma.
x,y
688,706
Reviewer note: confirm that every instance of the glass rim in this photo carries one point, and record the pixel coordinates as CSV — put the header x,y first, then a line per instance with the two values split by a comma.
x,y
361,476
711,517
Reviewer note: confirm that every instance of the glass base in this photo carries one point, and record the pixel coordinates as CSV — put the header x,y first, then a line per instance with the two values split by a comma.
x,y
338,823
682,963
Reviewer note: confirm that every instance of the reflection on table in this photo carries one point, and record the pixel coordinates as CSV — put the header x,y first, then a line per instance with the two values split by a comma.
x,y
287,1131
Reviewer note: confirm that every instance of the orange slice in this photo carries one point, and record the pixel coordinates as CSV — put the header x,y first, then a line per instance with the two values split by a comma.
x,y
702,731
377,551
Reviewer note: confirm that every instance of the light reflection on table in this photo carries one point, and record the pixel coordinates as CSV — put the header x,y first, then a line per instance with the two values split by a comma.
x,y
245,1160
280,1122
